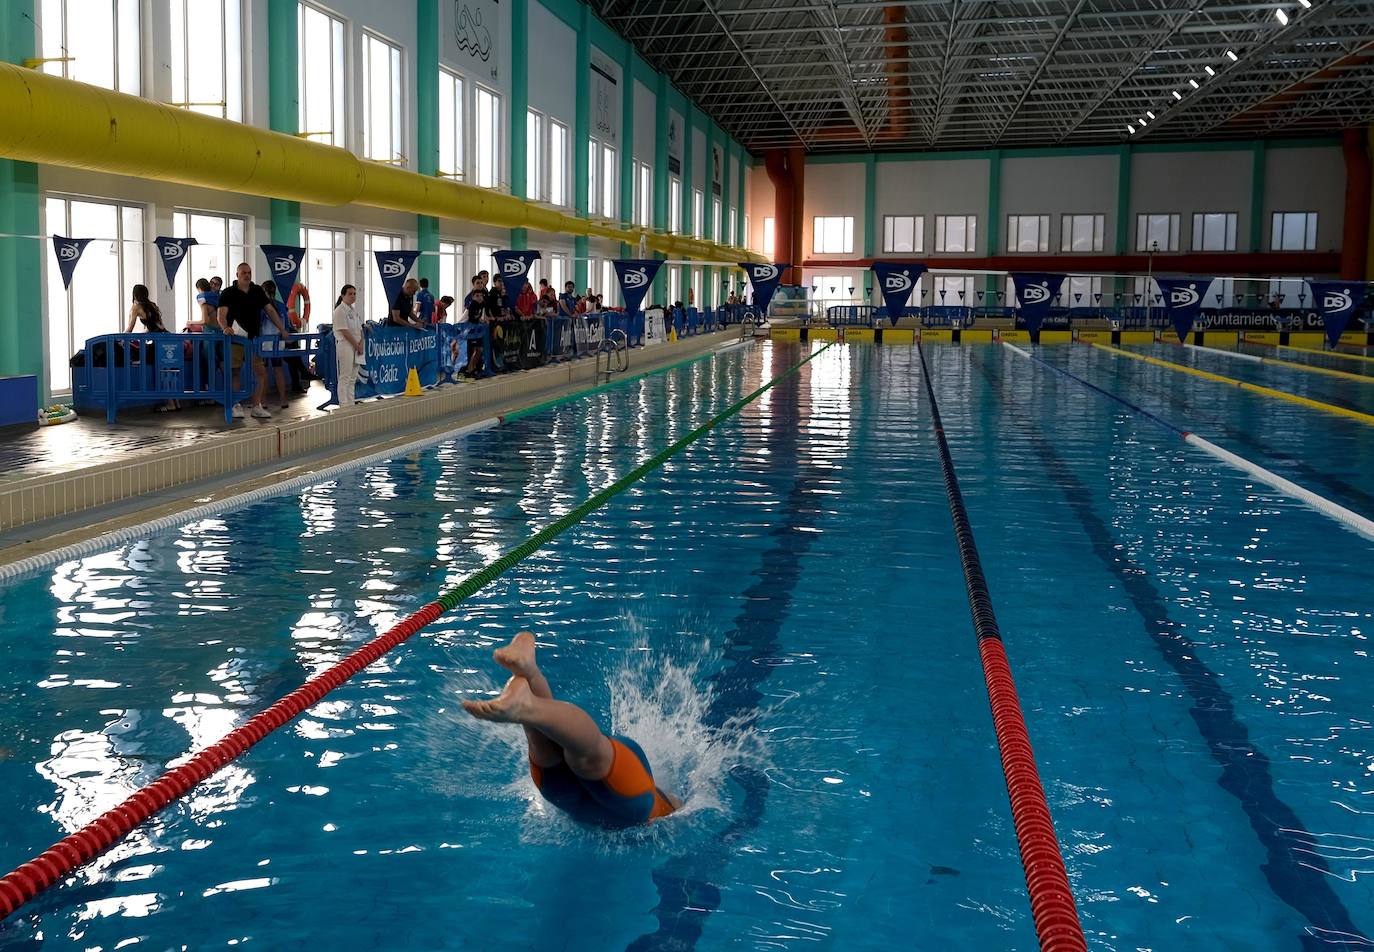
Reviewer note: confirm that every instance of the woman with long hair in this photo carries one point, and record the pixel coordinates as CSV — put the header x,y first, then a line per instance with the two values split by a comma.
x,y
143,309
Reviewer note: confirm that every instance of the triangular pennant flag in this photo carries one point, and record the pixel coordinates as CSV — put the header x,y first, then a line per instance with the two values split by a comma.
x,y
68,252
1337,302
896,280
1035,294
514,267
393,266
284,265
1182,298
172,251
635,274
764,279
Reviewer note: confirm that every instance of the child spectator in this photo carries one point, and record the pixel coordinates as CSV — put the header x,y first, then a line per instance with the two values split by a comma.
x,y
441,309
424,303
273,337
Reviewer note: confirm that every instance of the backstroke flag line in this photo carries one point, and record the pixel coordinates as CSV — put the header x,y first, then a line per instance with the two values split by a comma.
x,y
68,251
897,280
172,251
283,264
1035,293
393,266
1183,302
1336,302
515,270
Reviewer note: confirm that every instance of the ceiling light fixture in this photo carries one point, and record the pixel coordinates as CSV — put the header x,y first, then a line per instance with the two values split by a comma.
x,y
1306,4
1282,16
1177,94
1150,114
1231,55
1130,128
1209,71
1142,122
1193,83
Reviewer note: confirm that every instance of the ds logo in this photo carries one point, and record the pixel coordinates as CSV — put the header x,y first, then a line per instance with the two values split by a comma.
x,y
172,252
763,272
1035,294
514,267
1334,301
898,281
68,252
393,268
1183,297
283,266
635,279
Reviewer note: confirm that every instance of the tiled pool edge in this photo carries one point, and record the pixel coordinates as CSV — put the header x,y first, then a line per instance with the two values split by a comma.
x,y
44,497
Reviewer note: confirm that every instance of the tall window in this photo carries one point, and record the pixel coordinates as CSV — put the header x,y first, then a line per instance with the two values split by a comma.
x,y
98,39
610,287
1028,234
486,260
675,285
1214,231
558,271
1294,231
323,83
535,161
221,243
451,141
1156,232
644,194
732,233
698,214
956,234
695,289
768,236
207,77
1081,233
952,292
1081,292
488,158
325,269
831,236
903,233
558,163
374,306
452,278
610,182
102,287
382,135
674,205
715,219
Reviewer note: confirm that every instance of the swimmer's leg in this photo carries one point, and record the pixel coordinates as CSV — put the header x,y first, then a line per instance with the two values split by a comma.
x,y
587,751
518,658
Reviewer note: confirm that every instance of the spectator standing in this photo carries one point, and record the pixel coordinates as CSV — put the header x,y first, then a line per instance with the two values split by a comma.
x,y
567,301
424,303
403,308
146,311
441,309
476,313
525,303
498,306
241,308
272,339
348,343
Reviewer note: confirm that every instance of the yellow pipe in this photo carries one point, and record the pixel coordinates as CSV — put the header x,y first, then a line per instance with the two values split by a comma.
x,y
56,121
1252,387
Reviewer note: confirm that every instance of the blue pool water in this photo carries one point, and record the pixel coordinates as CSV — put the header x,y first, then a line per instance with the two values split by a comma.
x,y
778,616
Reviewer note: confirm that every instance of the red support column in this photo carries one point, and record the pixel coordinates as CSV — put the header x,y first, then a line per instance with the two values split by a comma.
x,y
787,171
1355,238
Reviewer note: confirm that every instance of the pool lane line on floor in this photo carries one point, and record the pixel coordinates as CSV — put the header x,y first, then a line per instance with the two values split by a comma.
x,y
1300,883
129,533
1350,519
1365,418
1052,904
1276,362
79,848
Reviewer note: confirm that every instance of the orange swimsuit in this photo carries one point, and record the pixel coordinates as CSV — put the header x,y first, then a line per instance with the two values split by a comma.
x,y
627,796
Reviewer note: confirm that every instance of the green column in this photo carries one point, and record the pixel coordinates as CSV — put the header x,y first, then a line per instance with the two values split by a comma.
x,y
660,219
1123,209
708,187
520,107
283,102
870,202
627,137
581,137
21,259
427,119
725,152
688,137
741,237
994,230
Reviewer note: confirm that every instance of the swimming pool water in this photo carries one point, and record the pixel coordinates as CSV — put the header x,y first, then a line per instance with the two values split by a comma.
x,y
778,616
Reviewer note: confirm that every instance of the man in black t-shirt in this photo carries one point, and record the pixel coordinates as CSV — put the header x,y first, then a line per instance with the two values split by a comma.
x,y
241,306
402,309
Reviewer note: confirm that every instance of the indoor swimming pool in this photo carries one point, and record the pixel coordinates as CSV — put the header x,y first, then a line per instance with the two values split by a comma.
x,y
778,616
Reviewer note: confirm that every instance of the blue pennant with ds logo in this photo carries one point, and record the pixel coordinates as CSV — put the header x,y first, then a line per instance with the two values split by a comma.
x,y
1035,293
283,266
515,269
635,274
1183,301
172,251
764,279
1336,302
68,252
393,266
897,280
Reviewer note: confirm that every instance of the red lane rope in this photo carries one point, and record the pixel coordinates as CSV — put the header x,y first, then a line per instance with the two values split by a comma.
x,y
1047,881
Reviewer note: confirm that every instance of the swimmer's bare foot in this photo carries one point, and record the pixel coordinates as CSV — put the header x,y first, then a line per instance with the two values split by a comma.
x,y
518,656
512,707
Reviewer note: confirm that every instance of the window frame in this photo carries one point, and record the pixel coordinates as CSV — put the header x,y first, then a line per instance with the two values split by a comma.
x,y
126,78
560,171
1017,224
536,155
396,134
970,225
918,228
1068,229
822,225
492,150
1279,225
341,95
231,107
1228,227
1144,225
458,137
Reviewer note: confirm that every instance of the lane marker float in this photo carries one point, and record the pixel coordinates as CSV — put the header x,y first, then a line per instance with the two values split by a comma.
x,y
79,848
1276,362
1365,418
1047,881
1350,519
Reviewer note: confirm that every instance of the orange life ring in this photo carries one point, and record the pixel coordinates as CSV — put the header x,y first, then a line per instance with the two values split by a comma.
x,y
299,291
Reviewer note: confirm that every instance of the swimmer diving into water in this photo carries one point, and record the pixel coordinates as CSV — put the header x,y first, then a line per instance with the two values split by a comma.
x,y
598,780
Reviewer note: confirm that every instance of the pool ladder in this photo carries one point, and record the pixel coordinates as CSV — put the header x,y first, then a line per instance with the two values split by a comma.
x,y
749,324
616,348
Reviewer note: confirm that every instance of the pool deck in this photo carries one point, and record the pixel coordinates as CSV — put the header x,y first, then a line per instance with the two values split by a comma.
x,y
63,484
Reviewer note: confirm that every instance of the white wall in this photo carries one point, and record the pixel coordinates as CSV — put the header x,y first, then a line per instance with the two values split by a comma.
x,y
646,112
552,79
699,162
933,187
1191,182
1306,180
1059,185
834,190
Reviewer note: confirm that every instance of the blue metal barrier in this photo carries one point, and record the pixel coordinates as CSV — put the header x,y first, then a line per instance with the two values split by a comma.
x,y
129,370
944,315
850,315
